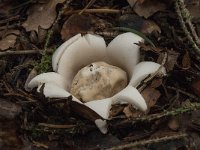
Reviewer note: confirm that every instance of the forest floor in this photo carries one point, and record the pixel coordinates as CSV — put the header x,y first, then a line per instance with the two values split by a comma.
x,y
30,31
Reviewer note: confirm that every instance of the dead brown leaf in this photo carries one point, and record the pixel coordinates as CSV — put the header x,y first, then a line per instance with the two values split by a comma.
x,y
115,110
31,75
151,95
76,24
171,59
9,110
196,87
139,23
186,62
150,27
8,42
133,2
198,29
41,15
150,48
130,112
9,39
5,7
194,8
148,8
3,64
173,124
8,135
156,82
41,34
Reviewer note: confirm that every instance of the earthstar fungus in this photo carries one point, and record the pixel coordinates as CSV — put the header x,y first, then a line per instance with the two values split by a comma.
x,y
72,64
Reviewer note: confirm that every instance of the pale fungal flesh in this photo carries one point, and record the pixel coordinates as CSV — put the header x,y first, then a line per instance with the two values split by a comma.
x,y
98,80
142,70
80,51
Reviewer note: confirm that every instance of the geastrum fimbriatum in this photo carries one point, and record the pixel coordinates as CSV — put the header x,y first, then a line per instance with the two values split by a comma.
x,y
97,76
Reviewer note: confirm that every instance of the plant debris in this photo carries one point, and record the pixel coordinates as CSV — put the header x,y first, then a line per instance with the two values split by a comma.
x,y
31,30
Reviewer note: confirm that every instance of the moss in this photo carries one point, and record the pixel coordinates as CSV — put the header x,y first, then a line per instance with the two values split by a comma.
x,y
45,64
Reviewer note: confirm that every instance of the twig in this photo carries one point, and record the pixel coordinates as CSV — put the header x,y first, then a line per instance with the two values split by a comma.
x,y
40,145
10,19
107,34
149,141
104,10
185,93
174,112
29,99
9,26
20,52
67,126
87,6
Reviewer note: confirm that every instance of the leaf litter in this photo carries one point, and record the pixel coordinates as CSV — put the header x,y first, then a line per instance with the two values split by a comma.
x,y
28,120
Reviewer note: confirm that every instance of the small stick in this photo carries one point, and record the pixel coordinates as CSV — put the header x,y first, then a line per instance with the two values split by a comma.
x,y
22,52
104,10
67,126
40,145
149,141
10,19
87,6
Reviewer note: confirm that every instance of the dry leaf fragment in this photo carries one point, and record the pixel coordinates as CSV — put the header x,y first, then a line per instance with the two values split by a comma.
x,y
150,48
196,87
148,8
186,62
31,75
74,25
194,8
130,112
150,27
9,39
151,95
9,138
156,82
8,42
133,2
115,110
41,15
171,59
173,124
139,23
8,110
